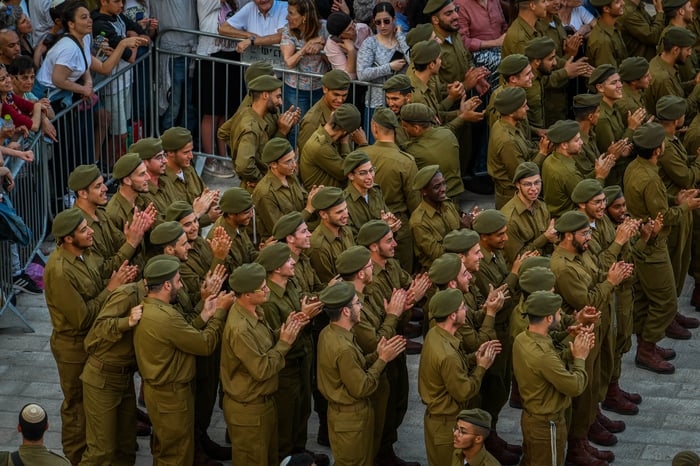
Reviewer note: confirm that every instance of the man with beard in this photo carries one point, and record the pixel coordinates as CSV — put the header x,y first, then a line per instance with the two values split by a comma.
x,y
336,86
151,152
238,211
397,93
132,175
522,29
635,76
641,32
605,44
680,13
470,431
590,163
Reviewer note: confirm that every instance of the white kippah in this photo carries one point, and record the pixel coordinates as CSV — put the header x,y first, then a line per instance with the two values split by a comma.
x,y
286,461
33,413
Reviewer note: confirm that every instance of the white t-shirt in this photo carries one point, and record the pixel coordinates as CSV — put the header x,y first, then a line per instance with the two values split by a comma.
x,y
67,53
579,17
250,19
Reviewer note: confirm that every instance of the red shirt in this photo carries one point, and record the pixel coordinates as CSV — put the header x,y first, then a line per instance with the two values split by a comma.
x,y
477,23
19,111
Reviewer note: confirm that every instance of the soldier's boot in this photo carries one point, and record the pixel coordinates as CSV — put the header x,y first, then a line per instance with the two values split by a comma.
x,y
511,447
577,454
605,455
648,358
687,322
611,426
201,458
322,437
495,446
695,299
676,332
515,400
635,398
600,435
214,450
616,401
667,354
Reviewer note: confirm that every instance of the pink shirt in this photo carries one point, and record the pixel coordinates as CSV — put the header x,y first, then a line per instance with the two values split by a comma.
x,y
477,23
336,54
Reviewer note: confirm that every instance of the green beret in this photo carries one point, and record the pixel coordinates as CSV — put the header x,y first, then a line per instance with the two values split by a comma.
x,y
66,222
275,149
570,221
542,303
166,233
338,295
513,64
525,170
372,231
353,160
582,101
336,80
586,190
287,225
417,113
686,458
83,176
489,221
445,302
247,278
327,197
147,148
476,417
424,176
678,36
347,117
509,100
600,3
445,269
433,6
235,200
257,69
460,241
536,279
126,165
534,261
600,74
424,52
612,193
265,83
178,210
399,82
539,47
419,33
563,131
386,118
175,138
670,107
352,260
649,136
670,5
633,68
274,256
160,269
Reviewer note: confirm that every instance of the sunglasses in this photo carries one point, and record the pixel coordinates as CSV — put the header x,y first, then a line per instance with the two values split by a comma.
x,y
385,21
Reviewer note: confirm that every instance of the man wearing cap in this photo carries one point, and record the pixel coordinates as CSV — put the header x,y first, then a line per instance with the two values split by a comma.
x,y
686,458
470,431
605,44
547,383
348,378
635,76
74,294
516,72
292,230
522,29
680,13
465,243
641,32
154,157
238,211
398,92
132,175
33,423
534,276
336,86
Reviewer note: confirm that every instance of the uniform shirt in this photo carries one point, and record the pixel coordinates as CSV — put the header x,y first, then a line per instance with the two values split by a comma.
x,y
305,277
493,270
519,33
677,169
273,199
186,187
640,32
631,100
34,455
439,146
362,209
429,227
247,140
120,210
555,106
374,324
242,249
609,129
318,115
665,80
322,161
456,60
386,279
478,328
200,260
691,140
160,197
540,97
526,227
429,94
482,457
559,178
280,303
326,247
605,45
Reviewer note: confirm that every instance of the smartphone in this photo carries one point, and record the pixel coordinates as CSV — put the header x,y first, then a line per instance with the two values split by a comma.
x,y
397,56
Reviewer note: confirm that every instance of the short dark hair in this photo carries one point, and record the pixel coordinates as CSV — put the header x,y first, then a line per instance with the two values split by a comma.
x,y
643,153
581,114
21,65
69,11
535,319
421,66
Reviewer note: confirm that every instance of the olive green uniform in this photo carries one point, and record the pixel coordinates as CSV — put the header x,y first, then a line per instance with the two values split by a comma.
x,y
691,141
322,161
36,455
429,227
429,94
226,129
639,30
556,104
160,197
666,80
305,277
544,109
629,103
610,128
494,115
273,199
247,140
318,115
188,188
559,178
242,250
526,227
519,33
120,210
585,161
481,458
438,146
325,247
605,46
362,209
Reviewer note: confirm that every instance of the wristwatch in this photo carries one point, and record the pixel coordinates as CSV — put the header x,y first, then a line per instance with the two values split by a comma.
x,y
252,40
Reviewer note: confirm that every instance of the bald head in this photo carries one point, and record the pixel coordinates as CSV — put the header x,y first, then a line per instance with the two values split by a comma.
x,y
9,46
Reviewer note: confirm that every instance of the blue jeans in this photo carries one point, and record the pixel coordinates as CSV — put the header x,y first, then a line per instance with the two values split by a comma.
x,y
301,99
180,112
369,113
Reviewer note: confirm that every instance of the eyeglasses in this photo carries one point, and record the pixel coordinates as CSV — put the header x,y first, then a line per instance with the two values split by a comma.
x,y
600,202
530,184
585,234
291,162
385,21
365,172
357,303
25,77
461,432
262,289
160,156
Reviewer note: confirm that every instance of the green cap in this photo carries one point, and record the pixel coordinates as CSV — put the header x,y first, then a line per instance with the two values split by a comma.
x,y
352,260
287,225
338,294
83,176
600,3
178,210
476,417
235,200
513,64
274,256
347,117
678,36
126,165
275,149
600,74
670,107
489,221
582,101
612,193
536,279
433,6
66,222
633,68
586,190
160,269
417,113
353,160
649,136
525,170
686,458
166,233
444,269
385,117
265,83
460,241
539,47
509,100
670,5
372,231
542,303
336,80
147,148
247,278
563,131
327,197
534,261
573,220
257,69
424,52
175,138
419,33
445,302
424,176
399,82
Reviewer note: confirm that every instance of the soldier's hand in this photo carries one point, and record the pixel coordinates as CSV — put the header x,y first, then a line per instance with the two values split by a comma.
x,y
220,243
487,352
658,6
473,75
519,260
419,286
291,328
572,44
467,218
624,232
587,315
151,214
544,146
314,189
495,299
388,350
120,276
636,118
582,345
603,165
616,273
658,224
467,112
455,90
396,304
311,308
359,137
267,242
136,229
646,229
213,281
334,280
135,315
225,299
214,212
201,204
209,308
551,233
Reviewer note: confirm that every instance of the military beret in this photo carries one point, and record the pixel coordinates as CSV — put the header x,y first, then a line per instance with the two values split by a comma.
x,y
178,210
327,197
649,136
445,268
83,176
424,176
247,278
347,117
287,225
257,69
670,107
513,64
600,3
686,458
539,47
175,138
633,68
337,22
542,303
274,256
353,160
397,83
419,33
678,36
352,260
460,241
424,52
372,231
612,193
600,74
476,417
536,279
264,83
160,269
509,100
670,5
417,113
586,190
235,200
433,6
125,166
336,80
563,131
489,221
582,101
572,220
66,222
386,118
534,261
337,295
525,170
166,233
32,413
147,148
275,149
445,302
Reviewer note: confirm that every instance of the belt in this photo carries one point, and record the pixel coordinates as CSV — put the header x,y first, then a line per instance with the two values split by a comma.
x,y
97,364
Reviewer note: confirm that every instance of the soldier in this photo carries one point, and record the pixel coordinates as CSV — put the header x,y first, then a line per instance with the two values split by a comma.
x,y
635,76
397,93
151,152
679,13
293,230
470,431
465,243
516,72
640,32
559,173
33,423
336,86
605,44
522,29
132,175
238,211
